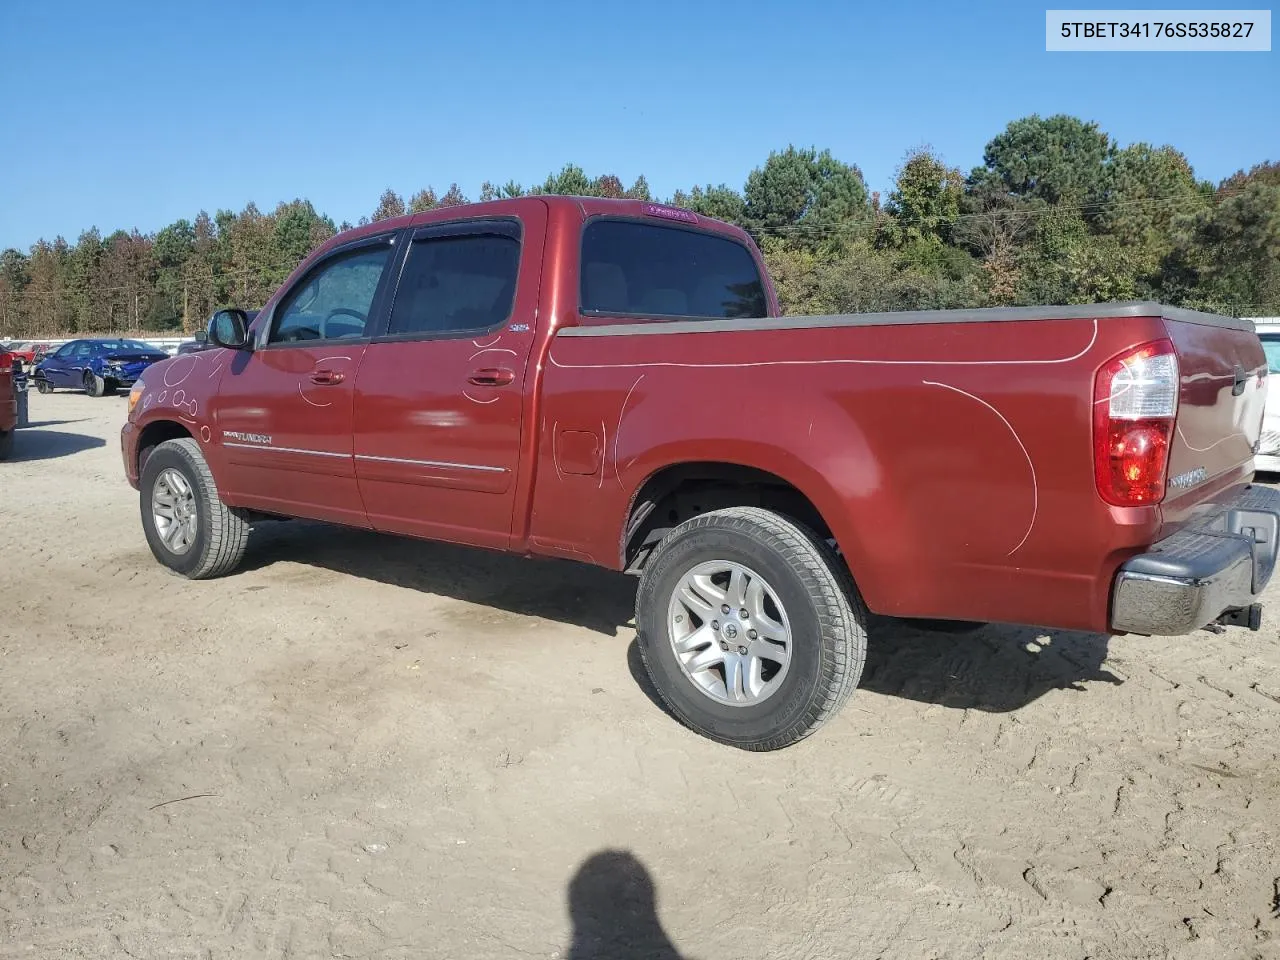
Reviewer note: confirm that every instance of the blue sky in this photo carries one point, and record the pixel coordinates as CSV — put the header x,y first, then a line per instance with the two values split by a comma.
x,y
133,114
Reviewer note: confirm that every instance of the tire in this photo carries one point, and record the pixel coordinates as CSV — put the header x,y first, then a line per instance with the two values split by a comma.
x,y
44,386
221,532
813,598
94,385
6,443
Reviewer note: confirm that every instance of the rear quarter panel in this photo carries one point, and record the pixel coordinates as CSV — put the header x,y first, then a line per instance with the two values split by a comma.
x,y
953,461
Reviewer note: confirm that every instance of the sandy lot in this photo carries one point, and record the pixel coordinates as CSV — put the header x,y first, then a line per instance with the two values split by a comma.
x,y
370,747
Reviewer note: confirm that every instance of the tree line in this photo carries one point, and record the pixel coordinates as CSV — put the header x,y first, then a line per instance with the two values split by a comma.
x,y
1056,213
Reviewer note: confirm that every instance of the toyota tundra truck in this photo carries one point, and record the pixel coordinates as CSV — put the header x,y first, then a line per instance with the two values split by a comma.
x,y
612,381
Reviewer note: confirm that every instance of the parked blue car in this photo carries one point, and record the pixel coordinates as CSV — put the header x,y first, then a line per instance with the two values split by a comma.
x,y
98,366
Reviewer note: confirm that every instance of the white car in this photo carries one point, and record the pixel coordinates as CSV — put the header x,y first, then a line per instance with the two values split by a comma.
x,y
1267,459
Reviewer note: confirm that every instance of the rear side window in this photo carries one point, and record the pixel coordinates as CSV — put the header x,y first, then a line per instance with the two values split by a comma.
x,y
457,284
637,268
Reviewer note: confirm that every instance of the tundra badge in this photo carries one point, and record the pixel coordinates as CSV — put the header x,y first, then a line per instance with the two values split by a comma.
x,y
261,438
1189,479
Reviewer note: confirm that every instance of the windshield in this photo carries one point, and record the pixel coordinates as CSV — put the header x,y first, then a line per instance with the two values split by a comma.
x,y
1271,346
126,345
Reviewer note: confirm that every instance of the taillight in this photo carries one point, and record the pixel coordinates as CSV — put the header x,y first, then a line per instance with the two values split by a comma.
x,y
1135,400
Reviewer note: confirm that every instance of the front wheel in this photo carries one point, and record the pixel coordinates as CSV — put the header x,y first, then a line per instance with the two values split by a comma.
x,y
750,628
94,385
188,527
44,386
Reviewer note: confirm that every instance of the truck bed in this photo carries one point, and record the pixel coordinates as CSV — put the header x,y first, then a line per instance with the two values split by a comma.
x,y
951,449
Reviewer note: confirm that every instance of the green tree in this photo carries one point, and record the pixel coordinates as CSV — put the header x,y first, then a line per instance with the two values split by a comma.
x,y
571,181
925,201
607,185
390,204
423,200
1227,258
1146,188
639,189
1268,173
807,195
1057,159
721,202
453,197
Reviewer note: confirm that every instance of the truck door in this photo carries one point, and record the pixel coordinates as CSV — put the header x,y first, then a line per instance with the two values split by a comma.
x,y
440,395
284,409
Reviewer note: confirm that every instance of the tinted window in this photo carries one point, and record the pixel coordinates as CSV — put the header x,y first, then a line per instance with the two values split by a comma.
x,y
84,349
630,267
458,283
334,300
1271,346
126,345
66,350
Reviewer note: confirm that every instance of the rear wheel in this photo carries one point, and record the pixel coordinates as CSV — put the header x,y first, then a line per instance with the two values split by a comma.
x,y
750,628
94,385
188,527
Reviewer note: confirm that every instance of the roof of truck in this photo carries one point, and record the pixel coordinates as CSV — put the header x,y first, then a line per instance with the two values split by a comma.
x,y
587,206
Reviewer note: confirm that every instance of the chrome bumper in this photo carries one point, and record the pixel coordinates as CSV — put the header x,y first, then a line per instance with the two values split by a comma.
x,y
1211,572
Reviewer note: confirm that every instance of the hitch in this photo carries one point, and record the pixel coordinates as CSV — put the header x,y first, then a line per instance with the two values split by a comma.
x,y
1250,616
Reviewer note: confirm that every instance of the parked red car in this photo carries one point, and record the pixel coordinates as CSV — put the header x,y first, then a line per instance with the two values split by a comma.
x,y
28,351
610,381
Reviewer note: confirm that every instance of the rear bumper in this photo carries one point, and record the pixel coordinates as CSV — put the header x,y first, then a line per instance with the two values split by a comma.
x,y
1194,577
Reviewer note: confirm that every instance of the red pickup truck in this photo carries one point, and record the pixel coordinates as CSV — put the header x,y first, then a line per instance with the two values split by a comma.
x,y
610,381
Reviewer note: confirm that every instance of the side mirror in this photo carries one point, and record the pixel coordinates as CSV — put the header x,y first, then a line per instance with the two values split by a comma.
x,y
230,329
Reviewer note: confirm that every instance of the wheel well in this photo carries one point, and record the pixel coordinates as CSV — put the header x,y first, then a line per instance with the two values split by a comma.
x,y
156,433
675,494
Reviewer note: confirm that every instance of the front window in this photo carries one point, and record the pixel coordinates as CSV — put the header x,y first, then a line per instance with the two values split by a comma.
x,y
332,302
633,268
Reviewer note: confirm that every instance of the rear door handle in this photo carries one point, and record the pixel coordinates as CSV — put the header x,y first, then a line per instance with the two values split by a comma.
x,y
327,377
492,377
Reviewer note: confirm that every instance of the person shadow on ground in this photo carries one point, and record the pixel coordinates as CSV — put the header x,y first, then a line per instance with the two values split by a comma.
x,y
613,908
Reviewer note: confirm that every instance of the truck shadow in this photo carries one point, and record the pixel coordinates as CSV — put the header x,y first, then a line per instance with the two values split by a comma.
x,y
560,590
42,444
996,668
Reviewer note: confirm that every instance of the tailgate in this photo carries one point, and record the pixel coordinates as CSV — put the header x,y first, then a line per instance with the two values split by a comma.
x,y
1220,407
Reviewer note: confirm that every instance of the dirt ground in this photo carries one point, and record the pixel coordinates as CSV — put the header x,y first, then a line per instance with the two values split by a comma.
x,y
362,746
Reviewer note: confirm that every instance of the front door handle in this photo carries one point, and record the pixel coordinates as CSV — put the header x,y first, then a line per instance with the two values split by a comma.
x,y
327,377
492,377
